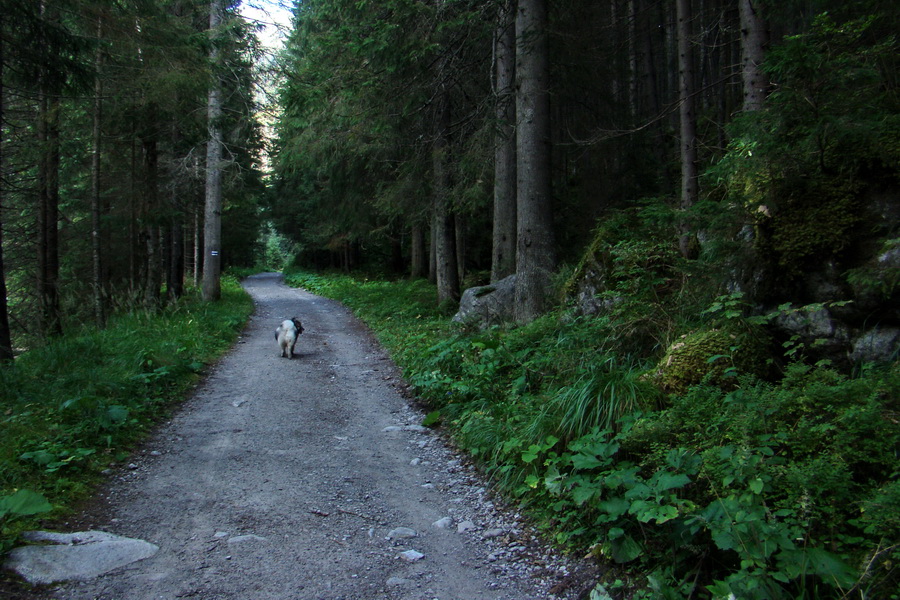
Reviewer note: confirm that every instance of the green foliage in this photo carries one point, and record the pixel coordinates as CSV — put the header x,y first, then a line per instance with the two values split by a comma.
x,y
802,167
23,503
74,406
602,394
881,278
763,490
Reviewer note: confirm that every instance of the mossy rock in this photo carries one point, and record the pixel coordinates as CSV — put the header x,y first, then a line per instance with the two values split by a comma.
x,y
713,356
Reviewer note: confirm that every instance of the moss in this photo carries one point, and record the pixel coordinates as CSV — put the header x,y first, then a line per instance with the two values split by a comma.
x,y
815,223
714,356
594,260
624,265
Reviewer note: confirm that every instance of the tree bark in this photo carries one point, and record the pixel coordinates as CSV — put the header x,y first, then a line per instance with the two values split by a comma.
x,y
432,250
444,229
459,230
418,262
175,270
48,213
198,248
175,230
754,39
536,253
688,122
212,231
503,256
96,235
6,351
151,227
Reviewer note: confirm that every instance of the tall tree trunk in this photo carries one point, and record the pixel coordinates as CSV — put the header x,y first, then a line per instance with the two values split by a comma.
x,y
688,122
48,202
212,231
96,235
397,263
460,227
48,214
418,254
632,62
754,39
6,351
151,227
503,255
432,249
175,253
198,248
133,215
444,230
536,252
175,270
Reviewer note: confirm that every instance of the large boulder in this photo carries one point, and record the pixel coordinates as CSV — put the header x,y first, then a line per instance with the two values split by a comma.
x,y
715,356
488,305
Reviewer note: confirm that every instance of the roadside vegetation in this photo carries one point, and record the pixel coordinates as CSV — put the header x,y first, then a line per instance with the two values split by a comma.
x,y
80,403
783,486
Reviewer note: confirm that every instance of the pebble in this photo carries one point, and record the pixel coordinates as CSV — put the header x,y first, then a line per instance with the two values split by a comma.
x,y
400,533
444,523
411,556
465,526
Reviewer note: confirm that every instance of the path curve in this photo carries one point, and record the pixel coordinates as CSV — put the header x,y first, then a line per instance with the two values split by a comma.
x,y
284,479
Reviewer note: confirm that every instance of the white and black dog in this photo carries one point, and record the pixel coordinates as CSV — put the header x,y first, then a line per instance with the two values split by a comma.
x,y
286,335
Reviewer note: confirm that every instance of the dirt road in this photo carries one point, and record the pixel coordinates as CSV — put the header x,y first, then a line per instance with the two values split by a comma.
x,y
311,479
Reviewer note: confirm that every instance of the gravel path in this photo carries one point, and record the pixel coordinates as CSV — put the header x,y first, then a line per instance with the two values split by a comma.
x,y
311,479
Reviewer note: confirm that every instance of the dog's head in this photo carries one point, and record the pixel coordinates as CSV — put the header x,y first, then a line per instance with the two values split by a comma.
x,y
298,325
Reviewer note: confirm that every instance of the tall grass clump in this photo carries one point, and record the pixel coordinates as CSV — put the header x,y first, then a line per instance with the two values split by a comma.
x,y
607,390
80,402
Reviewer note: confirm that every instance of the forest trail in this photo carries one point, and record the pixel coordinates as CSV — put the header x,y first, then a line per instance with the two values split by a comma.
x,y
300,479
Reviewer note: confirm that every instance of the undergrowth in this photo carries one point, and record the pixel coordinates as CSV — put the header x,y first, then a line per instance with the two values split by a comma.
x,y
78,404
780,489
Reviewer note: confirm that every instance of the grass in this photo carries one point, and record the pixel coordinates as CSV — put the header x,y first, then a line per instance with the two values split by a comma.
x,y
80,403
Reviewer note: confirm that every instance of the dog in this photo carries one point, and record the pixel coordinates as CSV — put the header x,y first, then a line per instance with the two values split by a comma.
x,y
286,335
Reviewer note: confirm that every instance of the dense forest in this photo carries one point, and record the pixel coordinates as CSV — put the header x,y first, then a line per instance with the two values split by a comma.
x,y
669,228
688,209
419,136
106,114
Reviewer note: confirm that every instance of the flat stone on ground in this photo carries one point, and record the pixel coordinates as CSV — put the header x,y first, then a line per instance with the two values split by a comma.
x,y
75,556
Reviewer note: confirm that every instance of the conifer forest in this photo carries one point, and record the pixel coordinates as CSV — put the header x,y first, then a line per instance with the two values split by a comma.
x,y
640,259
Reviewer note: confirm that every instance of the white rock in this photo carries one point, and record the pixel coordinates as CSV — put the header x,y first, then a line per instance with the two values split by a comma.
x,y
411,556
465,526
400,533
76,556
444,523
